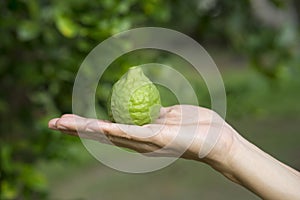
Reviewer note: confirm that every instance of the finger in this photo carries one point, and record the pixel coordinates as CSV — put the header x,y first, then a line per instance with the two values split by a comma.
x,y
52,123
102,138
70,123
122,135
88,135
141,147
73,122
138,146
87,125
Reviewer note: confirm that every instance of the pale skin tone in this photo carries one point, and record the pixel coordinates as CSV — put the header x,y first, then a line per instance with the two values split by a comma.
x,y
232,155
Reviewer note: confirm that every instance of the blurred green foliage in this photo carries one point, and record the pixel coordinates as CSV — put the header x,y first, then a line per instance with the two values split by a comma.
x,y
44,42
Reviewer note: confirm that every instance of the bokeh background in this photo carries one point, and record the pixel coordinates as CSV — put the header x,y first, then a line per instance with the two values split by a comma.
x,y
255,44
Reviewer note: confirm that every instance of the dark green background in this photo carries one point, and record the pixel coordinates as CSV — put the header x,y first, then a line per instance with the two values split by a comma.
x,y
43,43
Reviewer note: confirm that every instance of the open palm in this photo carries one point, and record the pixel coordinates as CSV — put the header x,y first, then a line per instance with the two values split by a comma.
x,y
180,130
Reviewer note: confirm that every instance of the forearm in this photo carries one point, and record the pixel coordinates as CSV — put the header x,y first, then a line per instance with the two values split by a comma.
x,y
259,172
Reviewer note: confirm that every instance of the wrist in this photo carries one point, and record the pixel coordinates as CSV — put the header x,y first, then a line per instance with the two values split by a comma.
x,y
223,154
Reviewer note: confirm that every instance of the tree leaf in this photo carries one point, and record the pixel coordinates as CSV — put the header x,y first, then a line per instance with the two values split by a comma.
x,y
66,26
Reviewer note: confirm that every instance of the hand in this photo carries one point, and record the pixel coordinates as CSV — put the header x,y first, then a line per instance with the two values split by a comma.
x,y
182,130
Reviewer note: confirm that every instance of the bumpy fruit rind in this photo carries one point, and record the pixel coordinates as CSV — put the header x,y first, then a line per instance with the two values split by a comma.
x,y
134,99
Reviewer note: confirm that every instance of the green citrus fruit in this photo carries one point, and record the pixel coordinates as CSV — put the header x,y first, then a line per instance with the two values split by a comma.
x,y
134,99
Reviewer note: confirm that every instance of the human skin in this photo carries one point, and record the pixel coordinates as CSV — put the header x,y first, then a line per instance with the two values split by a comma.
x,y
232,155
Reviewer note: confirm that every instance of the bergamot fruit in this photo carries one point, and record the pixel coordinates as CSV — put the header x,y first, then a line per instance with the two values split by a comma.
x,y
134,99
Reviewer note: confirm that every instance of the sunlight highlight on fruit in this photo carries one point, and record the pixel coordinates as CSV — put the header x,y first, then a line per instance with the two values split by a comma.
x,y
134,99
